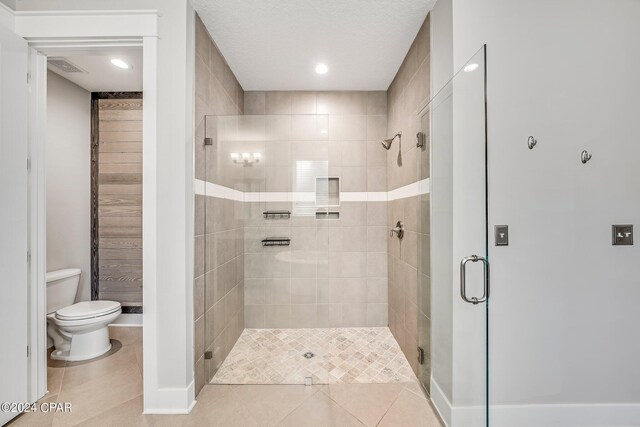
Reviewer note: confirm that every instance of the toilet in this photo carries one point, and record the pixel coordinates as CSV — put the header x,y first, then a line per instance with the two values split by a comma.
x,y
79,331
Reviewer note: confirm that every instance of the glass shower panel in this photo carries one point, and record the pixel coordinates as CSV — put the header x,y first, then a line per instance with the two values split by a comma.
x,y
270,199
424,264
453,268
231,143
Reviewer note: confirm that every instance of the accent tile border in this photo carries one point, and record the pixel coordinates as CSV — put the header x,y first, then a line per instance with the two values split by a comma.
x,y
203,188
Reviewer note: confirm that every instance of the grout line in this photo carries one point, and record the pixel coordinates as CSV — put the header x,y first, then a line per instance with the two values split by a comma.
x,y
390,406
301,403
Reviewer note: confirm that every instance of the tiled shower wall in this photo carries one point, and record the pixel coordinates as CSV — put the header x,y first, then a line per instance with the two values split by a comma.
x,y
334,273
408,94
219,261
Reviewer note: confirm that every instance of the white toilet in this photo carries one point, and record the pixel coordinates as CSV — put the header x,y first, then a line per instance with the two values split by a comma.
x,y
79,331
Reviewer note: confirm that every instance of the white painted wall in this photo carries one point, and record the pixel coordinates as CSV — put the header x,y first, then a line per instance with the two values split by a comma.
x,y
68,168
564,309
441,44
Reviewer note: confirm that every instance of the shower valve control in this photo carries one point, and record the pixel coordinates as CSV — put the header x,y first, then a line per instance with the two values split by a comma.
x,y
622,234
399,230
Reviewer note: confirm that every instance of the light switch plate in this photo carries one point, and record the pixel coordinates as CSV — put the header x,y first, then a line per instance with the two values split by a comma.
x,y
622,235
502,235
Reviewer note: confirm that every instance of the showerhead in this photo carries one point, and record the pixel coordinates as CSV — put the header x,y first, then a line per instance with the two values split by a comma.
x,y
387,142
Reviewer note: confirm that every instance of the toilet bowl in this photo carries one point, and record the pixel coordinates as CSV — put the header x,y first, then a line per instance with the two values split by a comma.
x,y
79,331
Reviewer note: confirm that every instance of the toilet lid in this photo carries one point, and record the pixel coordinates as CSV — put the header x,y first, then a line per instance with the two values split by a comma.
x,y
87,310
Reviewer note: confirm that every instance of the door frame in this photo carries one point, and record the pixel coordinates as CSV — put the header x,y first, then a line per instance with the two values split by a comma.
x,y
66,32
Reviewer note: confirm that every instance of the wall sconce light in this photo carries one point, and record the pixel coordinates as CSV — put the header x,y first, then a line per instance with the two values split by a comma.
x,y
246,159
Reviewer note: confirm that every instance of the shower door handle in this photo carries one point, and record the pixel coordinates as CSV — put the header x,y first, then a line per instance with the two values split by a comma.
x,y
463,283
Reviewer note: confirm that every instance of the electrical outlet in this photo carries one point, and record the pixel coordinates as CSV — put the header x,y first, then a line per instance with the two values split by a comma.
x,y
622,234
502,235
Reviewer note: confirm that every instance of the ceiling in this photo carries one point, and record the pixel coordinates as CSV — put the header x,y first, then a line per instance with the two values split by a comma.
x,y
99,75
276,44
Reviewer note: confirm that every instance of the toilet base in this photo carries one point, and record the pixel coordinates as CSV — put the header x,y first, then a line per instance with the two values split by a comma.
x,y
77,342
85,346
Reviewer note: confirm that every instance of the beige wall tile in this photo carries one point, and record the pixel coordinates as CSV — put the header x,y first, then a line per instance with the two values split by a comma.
x,y
377,128
304,316
278,128
352,178
377,103
278,102
254,291
303,291
377,239
347,153
377,264
376,154
377,290
254,316
377,178
354,314
342,127
199,337
277,316
348,239
303,103
348,290
277,291
199,297
347,264
254,103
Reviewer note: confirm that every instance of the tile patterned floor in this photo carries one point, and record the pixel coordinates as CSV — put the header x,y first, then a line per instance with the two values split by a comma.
x,y
108,392
341,356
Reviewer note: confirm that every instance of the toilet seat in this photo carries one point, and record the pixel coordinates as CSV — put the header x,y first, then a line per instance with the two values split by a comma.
x,y
87,310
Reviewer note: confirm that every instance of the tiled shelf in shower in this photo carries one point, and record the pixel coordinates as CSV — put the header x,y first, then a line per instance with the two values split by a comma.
x,y
327,215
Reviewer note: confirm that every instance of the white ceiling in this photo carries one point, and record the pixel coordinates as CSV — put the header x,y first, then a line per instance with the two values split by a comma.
x,y
102,76
275,44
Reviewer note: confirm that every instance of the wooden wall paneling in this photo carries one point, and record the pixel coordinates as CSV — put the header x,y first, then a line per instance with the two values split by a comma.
x,y
117,198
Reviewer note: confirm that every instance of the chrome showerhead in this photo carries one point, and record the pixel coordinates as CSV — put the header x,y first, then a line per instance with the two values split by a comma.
x,y
387,142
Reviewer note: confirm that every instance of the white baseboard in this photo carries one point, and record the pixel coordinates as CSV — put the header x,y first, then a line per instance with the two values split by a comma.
x,y
166,401
566,415
440,402
547,415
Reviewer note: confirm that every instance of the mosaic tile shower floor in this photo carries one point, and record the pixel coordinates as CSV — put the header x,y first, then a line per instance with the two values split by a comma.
x,y
341,356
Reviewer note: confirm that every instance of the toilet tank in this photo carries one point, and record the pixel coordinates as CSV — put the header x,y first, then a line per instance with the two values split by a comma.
x,y
62,286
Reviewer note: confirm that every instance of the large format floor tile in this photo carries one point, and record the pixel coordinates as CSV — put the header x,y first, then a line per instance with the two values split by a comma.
x,y
108,392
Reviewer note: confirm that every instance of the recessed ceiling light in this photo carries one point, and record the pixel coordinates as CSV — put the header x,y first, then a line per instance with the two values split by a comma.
x,y
322,69
471,67
120,63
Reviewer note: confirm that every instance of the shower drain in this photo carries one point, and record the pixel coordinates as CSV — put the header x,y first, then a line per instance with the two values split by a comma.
x,y
308,355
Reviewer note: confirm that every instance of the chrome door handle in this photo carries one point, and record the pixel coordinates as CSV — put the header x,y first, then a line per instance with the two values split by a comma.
x,y
463,284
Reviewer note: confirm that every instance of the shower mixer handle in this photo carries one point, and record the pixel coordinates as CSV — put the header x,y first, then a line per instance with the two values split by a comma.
x,y
399,230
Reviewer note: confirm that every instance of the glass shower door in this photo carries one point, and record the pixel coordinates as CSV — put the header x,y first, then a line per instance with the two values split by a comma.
x,y
453,269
